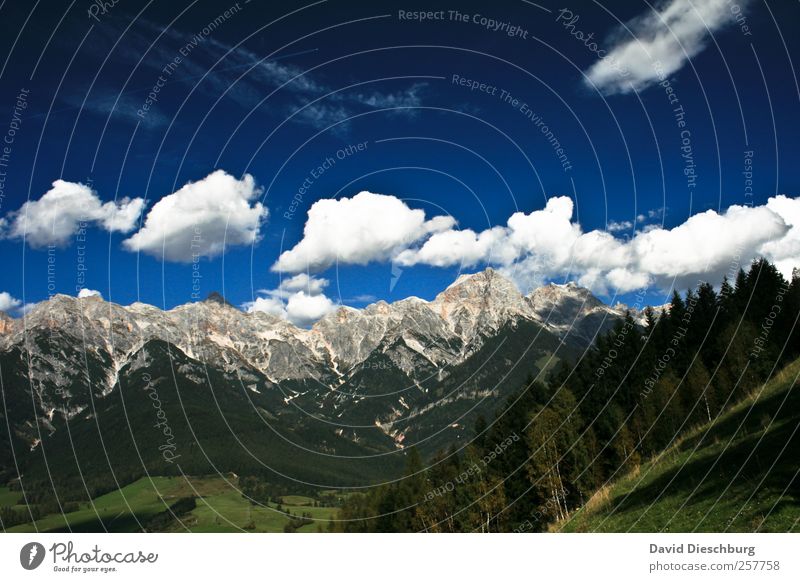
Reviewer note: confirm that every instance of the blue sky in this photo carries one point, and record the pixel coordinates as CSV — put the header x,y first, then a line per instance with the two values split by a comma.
x,y
271,92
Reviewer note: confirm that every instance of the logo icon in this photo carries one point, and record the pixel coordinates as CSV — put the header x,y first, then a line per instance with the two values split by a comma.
x,y
31,555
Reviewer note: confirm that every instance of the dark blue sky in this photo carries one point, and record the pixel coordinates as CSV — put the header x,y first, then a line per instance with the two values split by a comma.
x,y
448,150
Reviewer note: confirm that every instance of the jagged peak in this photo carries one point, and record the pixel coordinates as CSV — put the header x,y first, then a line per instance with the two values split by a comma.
x,y
216,297
342,314
411,300
480,284
480,278
63,297
556,290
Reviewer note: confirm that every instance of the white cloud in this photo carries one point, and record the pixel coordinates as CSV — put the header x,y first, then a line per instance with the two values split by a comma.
x,y
298,86
7,302
621,226
299,299
271,305
303,282
547,244
450,247
659,43
784,251
58,215
652,214
303,309
404,102
89,293
548,232
202,219
367,227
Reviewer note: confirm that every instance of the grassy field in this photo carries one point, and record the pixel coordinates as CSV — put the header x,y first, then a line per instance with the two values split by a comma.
x,y
737,473
229,512
220,508
8,497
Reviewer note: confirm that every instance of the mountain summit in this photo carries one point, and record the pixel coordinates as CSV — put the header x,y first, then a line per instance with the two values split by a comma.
x,y
382,376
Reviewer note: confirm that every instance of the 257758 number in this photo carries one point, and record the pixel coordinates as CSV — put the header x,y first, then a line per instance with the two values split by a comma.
x,y
757,565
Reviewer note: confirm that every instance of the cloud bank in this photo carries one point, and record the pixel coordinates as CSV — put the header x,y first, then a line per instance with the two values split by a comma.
x,y
659,43
202,219
548,244
365,228
56,217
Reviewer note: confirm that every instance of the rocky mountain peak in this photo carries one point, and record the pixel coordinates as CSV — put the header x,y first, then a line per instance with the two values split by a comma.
x,y
562,293
216,298
479,302
478,288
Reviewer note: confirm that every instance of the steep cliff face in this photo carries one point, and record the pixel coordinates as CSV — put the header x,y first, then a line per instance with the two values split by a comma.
x,y
379,377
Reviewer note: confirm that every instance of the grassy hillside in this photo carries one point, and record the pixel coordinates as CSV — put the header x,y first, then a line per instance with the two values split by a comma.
x,y
219,507
737,473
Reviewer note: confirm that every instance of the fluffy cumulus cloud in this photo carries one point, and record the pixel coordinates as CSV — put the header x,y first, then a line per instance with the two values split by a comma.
x,y
83,293
547,244
449,247
202,219
299,299
367,227
56,217
300,282
7,302
659,43
304,309
271,305
784,251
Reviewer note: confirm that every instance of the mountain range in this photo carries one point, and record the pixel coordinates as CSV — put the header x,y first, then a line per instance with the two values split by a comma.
x,y
325,403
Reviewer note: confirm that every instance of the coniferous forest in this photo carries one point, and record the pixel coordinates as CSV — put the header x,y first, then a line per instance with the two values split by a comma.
x,y
643,388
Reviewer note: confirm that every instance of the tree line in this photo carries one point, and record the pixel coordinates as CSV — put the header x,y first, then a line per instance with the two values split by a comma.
x,y
639,388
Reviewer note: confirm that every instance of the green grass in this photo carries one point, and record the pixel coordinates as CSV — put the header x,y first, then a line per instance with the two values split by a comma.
x,y
220,508
8,497
546,363
736,473
297,500
229,512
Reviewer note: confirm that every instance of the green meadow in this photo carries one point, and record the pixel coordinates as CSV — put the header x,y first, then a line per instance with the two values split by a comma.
x,y
219,506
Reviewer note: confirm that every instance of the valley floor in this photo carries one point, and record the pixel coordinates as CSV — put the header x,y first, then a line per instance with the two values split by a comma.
x,y
219,507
